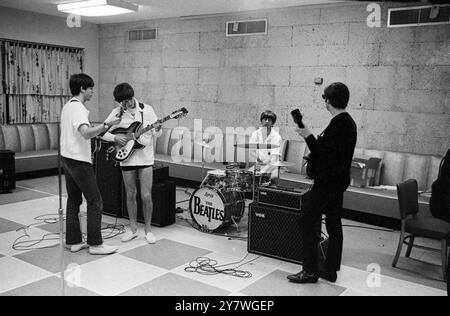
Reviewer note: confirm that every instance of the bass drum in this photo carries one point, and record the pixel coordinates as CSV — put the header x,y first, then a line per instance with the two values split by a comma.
x,y
212,208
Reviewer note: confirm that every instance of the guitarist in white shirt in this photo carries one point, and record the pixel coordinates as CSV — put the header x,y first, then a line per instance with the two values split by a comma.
x,y
140,163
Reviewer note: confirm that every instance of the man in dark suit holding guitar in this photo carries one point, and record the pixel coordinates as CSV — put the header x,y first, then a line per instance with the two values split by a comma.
x,y
140,162
332,157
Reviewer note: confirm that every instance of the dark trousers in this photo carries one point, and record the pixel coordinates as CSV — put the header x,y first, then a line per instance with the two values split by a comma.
x,y
80,179
322,200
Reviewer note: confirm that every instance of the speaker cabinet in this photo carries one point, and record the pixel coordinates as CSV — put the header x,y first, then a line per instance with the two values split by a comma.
x,y
7,171
163,196
275,232
109,181
110,184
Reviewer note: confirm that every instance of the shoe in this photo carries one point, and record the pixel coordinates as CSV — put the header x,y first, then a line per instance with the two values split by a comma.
x,y
129,236
102,250
150,238
330,276
303,277
77,247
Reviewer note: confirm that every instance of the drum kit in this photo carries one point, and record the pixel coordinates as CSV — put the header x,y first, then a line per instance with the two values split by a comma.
x,y
220,199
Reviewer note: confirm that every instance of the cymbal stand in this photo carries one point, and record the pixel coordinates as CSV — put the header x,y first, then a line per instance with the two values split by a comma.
x,y
254,179
279,170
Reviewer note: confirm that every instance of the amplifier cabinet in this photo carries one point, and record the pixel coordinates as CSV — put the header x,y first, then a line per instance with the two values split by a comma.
x,y
281,197
275,232
163,196
110,183
7,171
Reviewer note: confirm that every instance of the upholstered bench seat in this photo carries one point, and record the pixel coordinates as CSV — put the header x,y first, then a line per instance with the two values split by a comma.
x,y
366,200
187,170
36,160
35,145
395,168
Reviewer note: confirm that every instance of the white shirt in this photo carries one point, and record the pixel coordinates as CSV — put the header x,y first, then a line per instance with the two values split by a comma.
x,y
266,155
73,144
145,156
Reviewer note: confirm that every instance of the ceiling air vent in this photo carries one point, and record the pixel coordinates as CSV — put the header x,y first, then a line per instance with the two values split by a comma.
x,y
249,27
143,35
418,16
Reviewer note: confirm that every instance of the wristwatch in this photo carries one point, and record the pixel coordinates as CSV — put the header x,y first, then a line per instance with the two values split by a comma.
x,y
105,125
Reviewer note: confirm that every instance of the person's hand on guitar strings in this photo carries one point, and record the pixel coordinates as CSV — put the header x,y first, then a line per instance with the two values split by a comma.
x,y
123,139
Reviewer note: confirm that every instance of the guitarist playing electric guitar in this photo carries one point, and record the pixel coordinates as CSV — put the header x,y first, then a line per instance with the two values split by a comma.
x,y
140,163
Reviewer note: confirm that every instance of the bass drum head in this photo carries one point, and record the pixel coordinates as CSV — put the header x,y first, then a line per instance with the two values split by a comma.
x,y
207,208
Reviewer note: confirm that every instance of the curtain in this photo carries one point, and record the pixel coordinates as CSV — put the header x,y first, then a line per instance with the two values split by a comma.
x,y
37,81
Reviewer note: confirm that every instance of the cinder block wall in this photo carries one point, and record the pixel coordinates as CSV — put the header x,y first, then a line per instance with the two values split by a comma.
x,y
399,78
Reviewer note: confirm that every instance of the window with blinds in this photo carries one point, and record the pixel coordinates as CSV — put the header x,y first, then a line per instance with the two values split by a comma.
x,y
35,80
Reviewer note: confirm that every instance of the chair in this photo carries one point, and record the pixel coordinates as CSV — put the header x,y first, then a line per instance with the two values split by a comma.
x,y
419,226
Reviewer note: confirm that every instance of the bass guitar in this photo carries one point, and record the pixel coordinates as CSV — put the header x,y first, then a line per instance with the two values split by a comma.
x,y
122,153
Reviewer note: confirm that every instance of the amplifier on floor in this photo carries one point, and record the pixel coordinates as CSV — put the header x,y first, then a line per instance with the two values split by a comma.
x,y
281,197
110,183
163,195
275,232
160,173
7,171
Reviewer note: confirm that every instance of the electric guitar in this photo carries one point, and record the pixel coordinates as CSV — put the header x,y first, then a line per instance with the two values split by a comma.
x,y
96,142
122,153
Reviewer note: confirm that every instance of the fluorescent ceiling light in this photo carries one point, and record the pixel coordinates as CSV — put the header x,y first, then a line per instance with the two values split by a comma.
x,y
98,7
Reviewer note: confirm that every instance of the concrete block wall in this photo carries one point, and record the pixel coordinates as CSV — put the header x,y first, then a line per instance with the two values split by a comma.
x,y
399,78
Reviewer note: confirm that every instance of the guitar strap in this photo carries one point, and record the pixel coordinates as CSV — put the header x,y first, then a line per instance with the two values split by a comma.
x,y
141,105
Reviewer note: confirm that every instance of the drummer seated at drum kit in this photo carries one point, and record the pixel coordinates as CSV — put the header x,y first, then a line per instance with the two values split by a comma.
x,y
266,135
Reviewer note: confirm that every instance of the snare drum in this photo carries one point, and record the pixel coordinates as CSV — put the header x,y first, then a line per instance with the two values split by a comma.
x,y
212,208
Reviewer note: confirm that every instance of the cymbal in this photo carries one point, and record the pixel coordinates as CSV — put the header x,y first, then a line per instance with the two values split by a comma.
x,y
256,146
203,144
282,164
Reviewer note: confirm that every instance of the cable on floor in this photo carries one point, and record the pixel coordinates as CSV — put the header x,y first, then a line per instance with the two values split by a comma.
x,y
108,232
207,266
19,245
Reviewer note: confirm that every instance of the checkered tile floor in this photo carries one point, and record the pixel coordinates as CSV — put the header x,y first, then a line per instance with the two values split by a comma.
x,y
142,269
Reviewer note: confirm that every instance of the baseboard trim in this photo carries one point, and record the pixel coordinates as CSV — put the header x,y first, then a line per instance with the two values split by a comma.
x,y
37,174
372,219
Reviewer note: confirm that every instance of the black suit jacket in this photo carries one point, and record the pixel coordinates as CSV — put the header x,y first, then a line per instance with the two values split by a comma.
x,y
333,152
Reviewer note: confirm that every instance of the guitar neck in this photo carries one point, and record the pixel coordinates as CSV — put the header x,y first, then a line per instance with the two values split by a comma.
x,y
151,126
